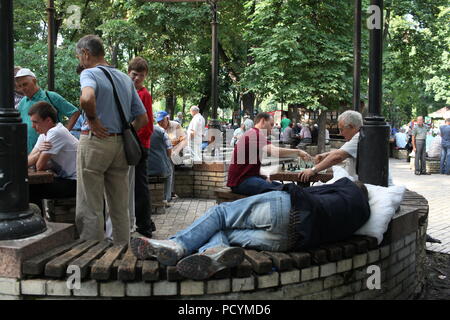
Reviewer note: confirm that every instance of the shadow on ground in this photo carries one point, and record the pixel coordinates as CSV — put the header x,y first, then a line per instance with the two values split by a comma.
x,y
437,271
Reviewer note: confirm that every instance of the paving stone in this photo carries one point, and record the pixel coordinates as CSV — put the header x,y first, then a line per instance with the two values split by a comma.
x,y
309,273
9,286
289,277
138,289
112,289
33,287
191,288
328,269
267,281
57,288
218,286
243,284
87,289
344,265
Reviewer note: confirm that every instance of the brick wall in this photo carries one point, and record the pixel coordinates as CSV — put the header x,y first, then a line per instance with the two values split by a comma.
x,y
201,180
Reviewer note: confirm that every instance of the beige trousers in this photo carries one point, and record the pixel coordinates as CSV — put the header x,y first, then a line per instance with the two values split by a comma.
x,y
102,169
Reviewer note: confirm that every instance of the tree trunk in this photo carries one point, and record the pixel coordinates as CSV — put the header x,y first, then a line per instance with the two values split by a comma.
x,y
171,102
114,55
322,126
248,102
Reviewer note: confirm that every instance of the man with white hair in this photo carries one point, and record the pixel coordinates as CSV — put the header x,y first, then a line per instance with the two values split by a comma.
x,y
26,84
195,133
349,124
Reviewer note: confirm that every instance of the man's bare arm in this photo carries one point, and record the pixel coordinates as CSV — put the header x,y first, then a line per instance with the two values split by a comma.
x,y
140,121
72,120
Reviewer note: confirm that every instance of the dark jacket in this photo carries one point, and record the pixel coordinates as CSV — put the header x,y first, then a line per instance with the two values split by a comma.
x,y
327,213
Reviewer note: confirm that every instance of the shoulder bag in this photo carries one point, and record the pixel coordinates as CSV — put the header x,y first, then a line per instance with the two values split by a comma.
x,y
132,145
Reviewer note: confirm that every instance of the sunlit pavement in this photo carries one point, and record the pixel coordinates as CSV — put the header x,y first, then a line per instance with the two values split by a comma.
x,y
436,189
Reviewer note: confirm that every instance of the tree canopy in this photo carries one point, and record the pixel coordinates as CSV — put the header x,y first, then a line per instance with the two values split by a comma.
x,y
285,51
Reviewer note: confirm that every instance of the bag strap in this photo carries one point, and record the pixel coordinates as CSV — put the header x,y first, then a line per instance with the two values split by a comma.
x,y
53,105
116,97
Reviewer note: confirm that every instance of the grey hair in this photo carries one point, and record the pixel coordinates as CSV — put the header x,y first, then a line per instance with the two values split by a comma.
x,y
195,108
351,118
93,44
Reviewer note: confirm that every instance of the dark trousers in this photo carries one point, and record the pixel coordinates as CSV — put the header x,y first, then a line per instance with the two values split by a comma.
x,y
420,161
142,201
58,189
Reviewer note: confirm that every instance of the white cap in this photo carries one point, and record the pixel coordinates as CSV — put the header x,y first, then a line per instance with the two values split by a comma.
x,y
24,72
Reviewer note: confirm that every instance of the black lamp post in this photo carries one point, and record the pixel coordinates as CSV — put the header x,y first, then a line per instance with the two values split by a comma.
x,y
373,147
17,220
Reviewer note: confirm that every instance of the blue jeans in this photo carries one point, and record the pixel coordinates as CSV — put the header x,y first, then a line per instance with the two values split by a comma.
x,y
259,222
445,159
256,185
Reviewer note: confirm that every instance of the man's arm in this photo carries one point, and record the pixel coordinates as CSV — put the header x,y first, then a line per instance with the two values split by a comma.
x,y
43,160
414,143
88,104
140,121
334,157
33,157
284,152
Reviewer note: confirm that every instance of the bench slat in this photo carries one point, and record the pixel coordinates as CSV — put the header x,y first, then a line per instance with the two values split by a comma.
x,y
127,267
101,270
280,260
301,259
35,265
150,270
83,261
261,264
57,267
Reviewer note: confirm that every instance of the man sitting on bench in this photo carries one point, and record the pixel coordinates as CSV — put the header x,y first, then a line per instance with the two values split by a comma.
x,y
243,175
290,220
55,149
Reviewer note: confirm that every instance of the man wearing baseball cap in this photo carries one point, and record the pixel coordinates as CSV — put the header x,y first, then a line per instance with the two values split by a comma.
x,y
26,83
159,163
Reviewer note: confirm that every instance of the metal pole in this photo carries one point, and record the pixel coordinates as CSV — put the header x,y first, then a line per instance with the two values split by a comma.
x,y
214,60
51,45
373,147
357,56
17,220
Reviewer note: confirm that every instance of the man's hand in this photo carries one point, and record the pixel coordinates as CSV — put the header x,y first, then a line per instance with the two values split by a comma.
x,y
305,175
45,146
304,155
97,128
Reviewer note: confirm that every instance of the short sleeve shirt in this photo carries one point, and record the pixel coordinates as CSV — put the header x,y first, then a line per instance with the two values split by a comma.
x,y
351,147
106,107
420,132
159,163
197,125
63,151
445,135
247,155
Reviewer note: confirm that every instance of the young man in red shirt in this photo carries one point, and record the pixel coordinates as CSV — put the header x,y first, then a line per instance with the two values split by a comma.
x,y
138,70
243,175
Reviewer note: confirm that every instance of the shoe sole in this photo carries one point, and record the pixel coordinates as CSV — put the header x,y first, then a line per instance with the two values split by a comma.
x,y
198,267
144,250
230,257
201,267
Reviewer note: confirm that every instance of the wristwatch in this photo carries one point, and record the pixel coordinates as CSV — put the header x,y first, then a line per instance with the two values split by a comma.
x,y
314,170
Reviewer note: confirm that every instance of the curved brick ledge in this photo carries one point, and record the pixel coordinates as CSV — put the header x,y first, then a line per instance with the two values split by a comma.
x,y
400,258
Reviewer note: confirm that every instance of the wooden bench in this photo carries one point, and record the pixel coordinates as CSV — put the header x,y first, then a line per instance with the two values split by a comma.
x,y
433,165
227,196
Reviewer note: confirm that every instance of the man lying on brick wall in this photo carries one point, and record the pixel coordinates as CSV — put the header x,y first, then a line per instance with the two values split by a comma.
x,y
55,149
290,220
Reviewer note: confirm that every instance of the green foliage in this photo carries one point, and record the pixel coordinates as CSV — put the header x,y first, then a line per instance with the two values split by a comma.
x,y
291,51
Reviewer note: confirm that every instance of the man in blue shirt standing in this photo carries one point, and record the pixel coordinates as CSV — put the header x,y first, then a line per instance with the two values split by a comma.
x,y
102,167
445,151
26,83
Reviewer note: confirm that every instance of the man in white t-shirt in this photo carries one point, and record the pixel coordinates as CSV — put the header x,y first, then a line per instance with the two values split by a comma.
x,y
195,133
349,123
56,150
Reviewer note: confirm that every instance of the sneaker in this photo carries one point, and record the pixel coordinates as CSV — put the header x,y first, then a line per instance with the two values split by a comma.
x,y
425,173
201,266
146,233
167,252
417,173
